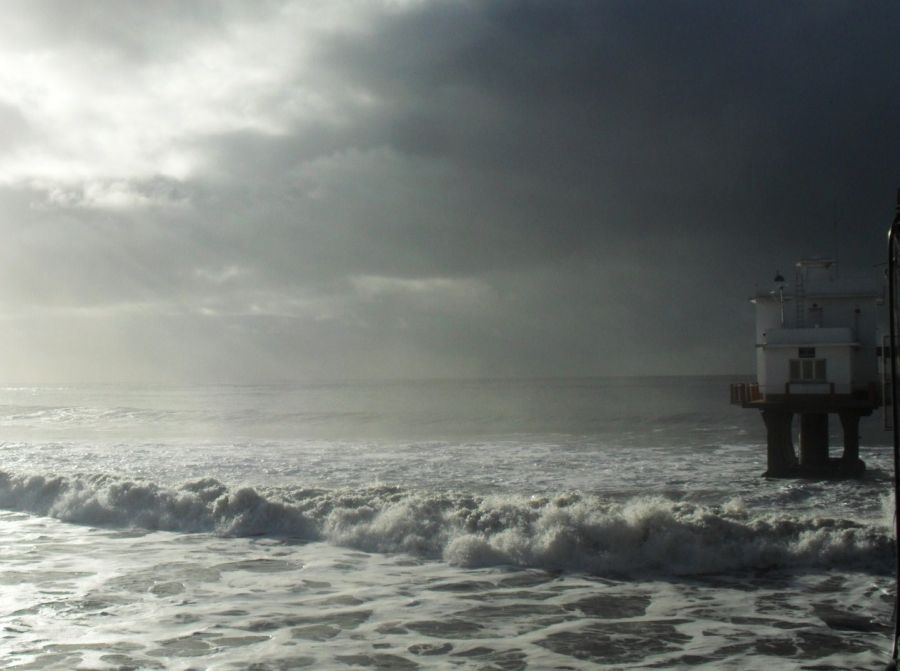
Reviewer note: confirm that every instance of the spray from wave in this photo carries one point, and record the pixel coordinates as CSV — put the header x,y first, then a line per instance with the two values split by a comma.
x,y
567,532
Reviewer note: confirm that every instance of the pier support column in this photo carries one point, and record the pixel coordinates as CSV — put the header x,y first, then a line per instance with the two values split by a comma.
x,y
851,464
814,441
781,459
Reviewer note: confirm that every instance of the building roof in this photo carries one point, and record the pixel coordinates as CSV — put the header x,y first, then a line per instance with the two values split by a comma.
x,y
840,288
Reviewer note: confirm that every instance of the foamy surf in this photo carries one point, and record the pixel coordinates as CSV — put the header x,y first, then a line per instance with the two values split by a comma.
x,y
568,532
78,597
426,526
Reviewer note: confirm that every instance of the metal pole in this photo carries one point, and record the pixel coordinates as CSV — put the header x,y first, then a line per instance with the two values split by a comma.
x,y
892,317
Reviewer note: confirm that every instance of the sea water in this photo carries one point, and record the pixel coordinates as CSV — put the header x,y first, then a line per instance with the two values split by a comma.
x,y
517,524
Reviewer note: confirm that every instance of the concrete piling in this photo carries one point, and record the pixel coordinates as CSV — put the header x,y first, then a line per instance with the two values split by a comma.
x,y
814,441
850,463
781,458
814,459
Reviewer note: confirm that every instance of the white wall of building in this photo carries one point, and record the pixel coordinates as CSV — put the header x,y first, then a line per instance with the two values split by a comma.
x,y
839,371
839,318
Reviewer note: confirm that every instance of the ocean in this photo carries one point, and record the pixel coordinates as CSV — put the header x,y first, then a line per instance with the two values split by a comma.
x,y
617,523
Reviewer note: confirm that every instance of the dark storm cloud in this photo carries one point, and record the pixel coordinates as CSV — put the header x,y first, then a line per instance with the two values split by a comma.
x,y
440,188
705,143
650,114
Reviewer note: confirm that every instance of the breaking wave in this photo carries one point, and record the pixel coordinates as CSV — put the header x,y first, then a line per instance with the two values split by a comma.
x,y
567,532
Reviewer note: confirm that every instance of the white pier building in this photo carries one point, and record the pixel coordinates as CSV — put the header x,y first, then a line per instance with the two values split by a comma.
x,y
818,346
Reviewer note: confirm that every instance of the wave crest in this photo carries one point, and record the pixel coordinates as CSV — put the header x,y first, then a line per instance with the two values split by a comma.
x,y
571,532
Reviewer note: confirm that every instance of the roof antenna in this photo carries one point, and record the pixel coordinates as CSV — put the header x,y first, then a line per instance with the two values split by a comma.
x,y
837,247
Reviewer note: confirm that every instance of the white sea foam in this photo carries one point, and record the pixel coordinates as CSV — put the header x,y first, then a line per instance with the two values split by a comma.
x,y
571,532
405,526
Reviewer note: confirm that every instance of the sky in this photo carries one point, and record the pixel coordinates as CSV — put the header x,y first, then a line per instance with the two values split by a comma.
x,y
268,191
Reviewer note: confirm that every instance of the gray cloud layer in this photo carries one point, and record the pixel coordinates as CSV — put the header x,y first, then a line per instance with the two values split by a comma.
x,y
255,191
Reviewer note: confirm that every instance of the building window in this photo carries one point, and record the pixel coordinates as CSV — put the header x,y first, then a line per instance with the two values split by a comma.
x,y
808,370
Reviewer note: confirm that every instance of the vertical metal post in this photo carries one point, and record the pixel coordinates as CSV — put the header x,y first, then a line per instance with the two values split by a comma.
x,y
892,318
